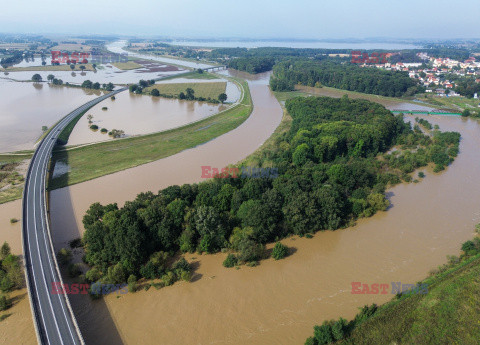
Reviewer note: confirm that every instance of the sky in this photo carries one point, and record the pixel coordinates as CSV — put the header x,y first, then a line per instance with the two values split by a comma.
x,y
300,19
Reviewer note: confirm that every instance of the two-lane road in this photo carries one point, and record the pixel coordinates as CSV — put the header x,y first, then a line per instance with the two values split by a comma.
x,y
53,316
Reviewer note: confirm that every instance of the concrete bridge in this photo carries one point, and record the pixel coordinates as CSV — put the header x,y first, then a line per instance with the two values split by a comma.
x,y
433,112
214,68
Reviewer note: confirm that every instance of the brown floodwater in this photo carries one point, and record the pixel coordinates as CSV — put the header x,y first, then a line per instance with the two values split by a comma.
x,y
140,114
26,107
277,302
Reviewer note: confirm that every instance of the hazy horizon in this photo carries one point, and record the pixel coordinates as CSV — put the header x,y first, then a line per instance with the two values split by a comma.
x,y
303,19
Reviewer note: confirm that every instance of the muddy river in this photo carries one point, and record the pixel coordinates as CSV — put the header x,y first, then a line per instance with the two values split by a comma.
x,y
279,302
276,302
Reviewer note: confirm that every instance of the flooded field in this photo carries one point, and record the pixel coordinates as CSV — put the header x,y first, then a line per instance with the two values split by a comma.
x,y
26,107
279,302
140,114
118,47
103,74
232,90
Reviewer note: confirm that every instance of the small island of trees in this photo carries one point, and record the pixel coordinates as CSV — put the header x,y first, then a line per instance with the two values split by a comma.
x,y
329,175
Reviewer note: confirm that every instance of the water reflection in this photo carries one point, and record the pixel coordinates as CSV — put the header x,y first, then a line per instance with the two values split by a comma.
x,y
26,107
140,114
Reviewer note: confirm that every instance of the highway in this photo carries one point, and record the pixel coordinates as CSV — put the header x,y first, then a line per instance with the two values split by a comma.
x,y
53,316
52,313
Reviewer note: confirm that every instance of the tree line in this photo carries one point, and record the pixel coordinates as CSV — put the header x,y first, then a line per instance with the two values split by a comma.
x,y
342,76
11,275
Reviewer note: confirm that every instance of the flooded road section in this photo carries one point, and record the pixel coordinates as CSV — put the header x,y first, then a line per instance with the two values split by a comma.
x,y
118,47
279,302
139,114
26,107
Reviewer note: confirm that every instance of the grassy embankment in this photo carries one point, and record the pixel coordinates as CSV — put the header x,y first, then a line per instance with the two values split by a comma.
x,y
204,90
11,180
92,161
458,103
53,68
448,104
448,314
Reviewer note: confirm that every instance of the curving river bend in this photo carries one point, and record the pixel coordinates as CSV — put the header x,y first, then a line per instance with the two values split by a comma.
x,y
277,302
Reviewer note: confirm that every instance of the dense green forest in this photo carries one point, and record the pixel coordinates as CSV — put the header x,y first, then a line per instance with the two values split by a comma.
x,y
252,65
447,314
343,76
11,276
258,60
333,165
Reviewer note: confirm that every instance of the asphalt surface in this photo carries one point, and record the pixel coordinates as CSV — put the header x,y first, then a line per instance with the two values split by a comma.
x,y
55,322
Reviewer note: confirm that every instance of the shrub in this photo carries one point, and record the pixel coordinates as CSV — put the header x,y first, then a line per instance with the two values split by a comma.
x,y
181,264
104,108
250,250
471,247
421,174
4,303
74,270
323,334
185,275
93,275
230,261
64,256
4,250
103,130
279,251
6,284
94,127
13,220
168,278
116,274
155,93
132,283
75,243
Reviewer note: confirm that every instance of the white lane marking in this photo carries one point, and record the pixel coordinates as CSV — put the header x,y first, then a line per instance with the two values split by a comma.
x,y
31,261
41,151
47,245
38,246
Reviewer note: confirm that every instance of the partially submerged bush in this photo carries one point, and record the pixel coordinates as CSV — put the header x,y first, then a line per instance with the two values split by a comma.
x,y
279,251
230,261
64,256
